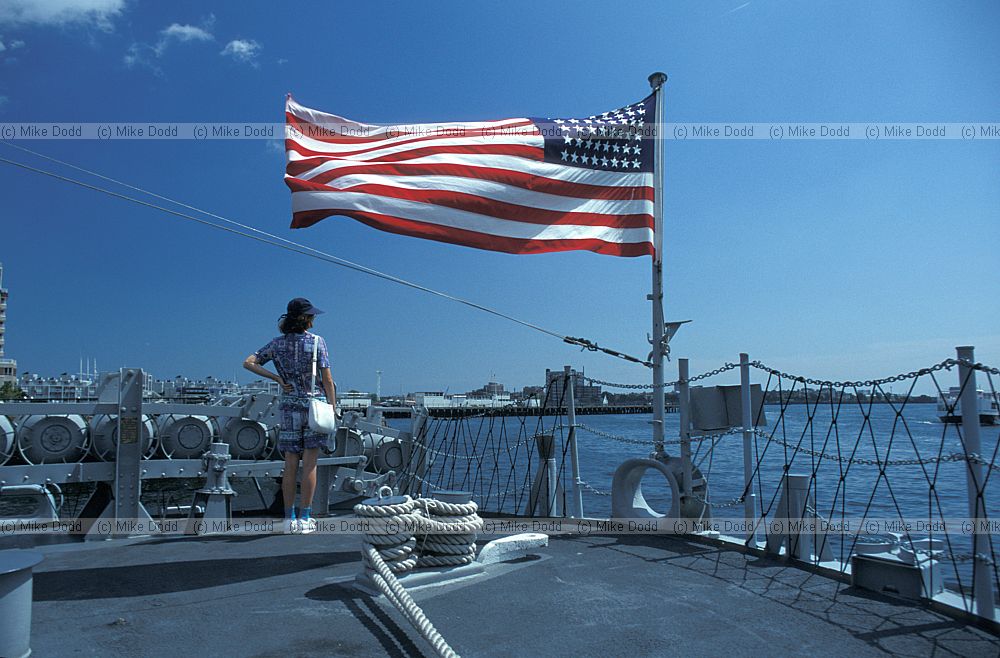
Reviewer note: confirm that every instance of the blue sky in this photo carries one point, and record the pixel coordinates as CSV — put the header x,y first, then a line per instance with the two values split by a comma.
x,y
839,259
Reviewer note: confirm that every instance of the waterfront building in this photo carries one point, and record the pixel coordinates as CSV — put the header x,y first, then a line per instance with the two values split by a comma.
x,y
479,400
432,399
8,367
84,387
488,390
357,400
583,394
64,388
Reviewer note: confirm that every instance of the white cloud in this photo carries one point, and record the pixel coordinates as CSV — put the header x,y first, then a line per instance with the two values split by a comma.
x,y
139,53
184,33
242,50
134,56
11,45
60,12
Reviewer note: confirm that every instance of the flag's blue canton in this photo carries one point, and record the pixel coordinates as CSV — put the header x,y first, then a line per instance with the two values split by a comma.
x,y
620,140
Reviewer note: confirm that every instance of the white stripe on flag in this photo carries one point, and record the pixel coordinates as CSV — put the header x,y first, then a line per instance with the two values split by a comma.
x,y
461,219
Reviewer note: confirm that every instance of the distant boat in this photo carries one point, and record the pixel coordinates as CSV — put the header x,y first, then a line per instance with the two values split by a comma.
x,y
950,410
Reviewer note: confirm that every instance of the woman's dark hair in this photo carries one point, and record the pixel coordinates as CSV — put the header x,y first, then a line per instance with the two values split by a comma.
x,y
294,324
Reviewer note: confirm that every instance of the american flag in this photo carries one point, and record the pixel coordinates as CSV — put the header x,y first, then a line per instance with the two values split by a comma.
x,y
521,186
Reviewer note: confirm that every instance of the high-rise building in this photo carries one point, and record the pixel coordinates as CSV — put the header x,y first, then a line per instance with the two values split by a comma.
x,y
8,367
583,394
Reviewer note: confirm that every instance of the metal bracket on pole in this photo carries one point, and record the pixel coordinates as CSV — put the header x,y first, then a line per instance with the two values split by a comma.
x,y
982,583
669,329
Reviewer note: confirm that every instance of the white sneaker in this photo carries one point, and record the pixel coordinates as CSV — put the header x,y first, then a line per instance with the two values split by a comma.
x,y
292,526
306,526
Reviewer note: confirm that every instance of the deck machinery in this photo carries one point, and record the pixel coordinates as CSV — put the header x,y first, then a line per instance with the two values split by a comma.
x,y
120,440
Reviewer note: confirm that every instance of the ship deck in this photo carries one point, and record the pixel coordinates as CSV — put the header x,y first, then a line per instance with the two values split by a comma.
x,y
277,595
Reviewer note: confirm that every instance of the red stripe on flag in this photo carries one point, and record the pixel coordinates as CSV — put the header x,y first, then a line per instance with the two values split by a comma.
x,y
484,206
466,238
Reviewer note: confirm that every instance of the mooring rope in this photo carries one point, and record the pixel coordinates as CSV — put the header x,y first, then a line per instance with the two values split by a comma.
x,y
389,585
447,537
450,533
388,534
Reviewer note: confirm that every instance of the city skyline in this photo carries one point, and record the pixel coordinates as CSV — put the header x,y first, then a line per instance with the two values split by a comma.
x,y
490,386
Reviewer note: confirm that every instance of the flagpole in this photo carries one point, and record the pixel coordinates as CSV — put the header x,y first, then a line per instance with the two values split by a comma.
x,y
656,81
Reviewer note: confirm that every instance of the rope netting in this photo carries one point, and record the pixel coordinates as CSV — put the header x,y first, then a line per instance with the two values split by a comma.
x,y
493,455
885,460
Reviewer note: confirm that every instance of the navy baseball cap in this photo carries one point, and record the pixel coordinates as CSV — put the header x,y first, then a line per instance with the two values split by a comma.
x,y
302,306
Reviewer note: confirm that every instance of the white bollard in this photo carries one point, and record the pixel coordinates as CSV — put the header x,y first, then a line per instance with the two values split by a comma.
x,y
15,601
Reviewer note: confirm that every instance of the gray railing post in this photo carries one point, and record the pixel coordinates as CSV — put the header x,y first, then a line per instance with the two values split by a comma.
x,y
750,498
577,497
416,458
546,486
982,584
128,455
684,400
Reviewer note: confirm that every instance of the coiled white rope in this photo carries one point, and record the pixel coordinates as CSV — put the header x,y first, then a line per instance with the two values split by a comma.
x,y
388,532
388,549
449,533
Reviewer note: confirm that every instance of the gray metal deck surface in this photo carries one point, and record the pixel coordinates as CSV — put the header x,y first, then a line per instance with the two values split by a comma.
x,y
603,596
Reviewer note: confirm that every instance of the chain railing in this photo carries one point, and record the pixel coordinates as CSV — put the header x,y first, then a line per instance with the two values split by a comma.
x,y
865,449
638,387
867,383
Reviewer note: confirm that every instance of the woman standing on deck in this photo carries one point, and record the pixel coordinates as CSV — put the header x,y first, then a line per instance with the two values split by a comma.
x,y
292,353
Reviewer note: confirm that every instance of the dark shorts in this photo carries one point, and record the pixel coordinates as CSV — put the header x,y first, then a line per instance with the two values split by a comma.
x,y
295,435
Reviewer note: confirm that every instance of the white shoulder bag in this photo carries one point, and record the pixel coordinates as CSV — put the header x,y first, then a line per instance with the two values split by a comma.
x,y
322,415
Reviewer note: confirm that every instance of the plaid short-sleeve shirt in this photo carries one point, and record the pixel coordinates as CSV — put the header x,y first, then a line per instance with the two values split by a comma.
x,y
292,356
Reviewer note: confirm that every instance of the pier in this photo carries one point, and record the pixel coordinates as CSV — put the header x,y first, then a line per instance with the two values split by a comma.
x,y
463,412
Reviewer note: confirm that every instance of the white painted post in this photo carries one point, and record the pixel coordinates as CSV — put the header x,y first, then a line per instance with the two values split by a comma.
x,y
750,498
982,584
799,542
576,500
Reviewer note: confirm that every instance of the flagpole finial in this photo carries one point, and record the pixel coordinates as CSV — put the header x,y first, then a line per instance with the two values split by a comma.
x,y
657,79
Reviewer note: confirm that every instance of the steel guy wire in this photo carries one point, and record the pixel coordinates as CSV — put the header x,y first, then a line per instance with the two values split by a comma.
x,y
289,245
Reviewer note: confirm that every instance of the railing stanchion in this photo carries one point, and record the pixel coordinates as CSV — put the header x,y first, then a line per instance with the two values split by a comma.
x,y
749,497
577,498
685,421
982,584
